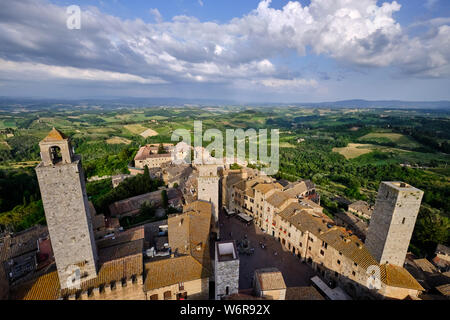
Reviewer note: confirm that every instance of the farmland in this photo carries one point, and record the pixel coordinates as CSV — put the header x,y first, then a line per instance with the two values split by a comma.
x,y
346,152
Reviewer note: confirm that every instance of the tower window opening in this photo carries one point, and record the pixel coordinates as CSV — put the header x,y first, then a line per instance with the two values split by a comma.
x,y
55,154
403,221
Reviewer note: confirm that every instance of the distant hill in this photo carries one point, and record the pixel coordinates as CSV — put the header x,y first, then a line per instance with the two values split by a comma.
x,y
8,103
384,104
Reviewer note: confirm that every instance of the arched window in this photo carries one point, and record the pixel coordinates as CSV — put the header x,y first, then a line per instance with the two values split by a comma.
x,y
55,154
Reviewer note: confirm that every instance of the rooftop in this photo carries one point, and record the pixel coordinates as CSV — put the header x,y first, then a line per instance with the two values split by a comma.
x,y
55,135
270,279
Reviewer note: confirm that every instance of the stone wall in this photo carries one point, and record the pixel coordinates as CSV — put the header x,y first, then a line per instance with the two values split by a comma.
x,y
226,275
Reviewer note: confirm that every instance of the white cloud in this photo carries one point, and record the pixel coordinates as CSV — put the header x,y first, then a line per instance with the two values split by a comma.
x,y
354,32
15,70
156,14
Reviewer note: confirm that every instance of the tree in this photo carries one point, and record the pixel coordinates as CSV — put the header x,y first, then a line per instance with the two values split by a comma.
x,y
165,199
161,149
147,181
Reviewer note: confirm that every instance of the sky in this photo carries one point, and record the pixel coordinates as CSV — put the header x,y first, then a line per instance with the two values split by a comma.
x,y
245,51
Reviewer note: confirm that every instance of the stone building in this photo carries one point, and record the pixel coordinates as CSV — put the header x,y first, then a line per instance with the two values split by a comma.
x,y
392,223
269,283
208,188
339,256
148,156
226,269
186,272
63,191
361,209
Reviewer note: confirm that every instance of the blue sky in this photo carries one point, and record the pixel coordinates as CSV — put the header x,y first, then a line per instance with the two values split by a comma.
x,y
255,51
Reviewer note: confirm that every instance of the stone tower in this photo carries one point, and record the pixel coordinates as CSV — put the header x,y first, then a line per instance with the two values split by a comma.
x,y
63,190
208,187
226,269
392,222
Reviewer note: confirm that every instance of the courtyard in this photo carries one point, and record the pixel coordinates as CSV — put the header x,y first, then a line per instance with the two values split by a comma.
x,y
295,273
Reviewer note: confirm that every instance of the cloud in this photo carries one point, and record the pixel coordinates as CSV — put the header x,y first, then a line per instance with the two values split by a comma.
x,y
156,14
200,2
429,4
19,70
184,50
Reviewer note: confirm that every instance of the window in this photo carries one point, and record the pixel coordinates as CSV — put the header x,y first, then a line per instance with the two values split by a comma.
x,y
300,244
167,295
355,264
353,273
339,261
322,253
154,297
403,221
181,286
324,244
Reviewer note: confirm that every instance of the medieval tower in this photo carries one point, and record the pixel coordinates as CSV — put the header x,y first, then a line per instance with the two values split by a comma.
x,y
392,222
63,190
226,269
208,187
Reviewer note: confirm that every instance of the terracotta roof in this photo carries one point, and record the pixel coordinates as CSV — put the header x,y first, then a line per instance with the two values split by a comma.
x,y
46,287
146,152
270,279
350,246
267,187
396,276
303,293
113,271
278,199
121,250
22,242
55,135
361,206
296,189
122,237
425,265
444,289
171,271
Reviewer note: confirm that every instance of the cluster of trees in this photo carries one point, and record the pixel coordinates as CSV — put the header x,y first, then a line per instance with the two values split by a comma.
x,y
315,160
110,164
130,187
22,148
18,187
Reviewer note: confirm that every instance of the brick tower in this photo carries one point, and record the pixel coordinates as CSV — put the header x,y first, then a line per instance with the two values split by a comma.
x,y
392,222
63,190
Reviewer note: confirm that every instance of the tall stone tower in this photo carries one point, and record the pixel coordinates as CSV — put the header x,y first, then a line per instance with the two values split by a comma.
x,y
208,187
226,269
63,190
392,222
